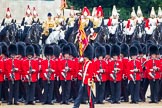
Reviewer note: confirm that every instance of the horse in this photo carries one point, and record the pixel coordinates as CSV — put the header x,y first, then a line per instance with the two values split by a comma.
x,y
139,33
33,34
102,35
8,33
157,34
118,37
55,36
70,33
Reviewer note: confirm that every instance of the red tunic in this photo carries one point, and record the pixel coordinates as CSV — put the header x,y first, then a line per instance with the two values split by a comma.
x,y
1,70
70,73
149,65
26,68
45,71
119,73
9,65
131,66
101,64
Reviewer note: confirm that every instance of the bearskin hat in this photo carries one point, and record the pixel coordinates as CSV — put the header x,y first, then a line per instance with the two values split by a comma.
x,y
124,49
89,52
12,49
74,52
115,50
21,48
66,49
56,51
153,50
48,50
100,51
30,50
133,50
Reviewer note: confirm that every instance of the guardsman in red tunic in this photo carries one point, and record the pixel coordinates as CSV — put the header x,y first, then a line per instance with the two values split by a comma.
x,y
142,59
39,85
107,59
30,74
153,69
160,87
57,84
4,93
8,19
116,73
134,74
49,72
88,72
124,57
1,73
66,73
21,56
13,74
74,57
101,73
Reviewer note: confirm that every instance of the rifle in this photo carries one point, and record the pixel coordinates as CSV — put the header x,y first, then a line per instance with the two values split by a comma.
x,y
12,75
154,74
49,71
134,73
66,69
100,73
30,72
115,71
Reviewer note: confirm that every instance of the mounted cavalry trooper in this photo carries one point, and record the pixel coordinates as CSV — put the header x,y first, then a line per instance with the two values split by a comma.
x,y
48,27
59,20
140,17
131,24
113,21
159,15
86,21
58,30
151,22
8,19
35,16
98,21
70,21
27,20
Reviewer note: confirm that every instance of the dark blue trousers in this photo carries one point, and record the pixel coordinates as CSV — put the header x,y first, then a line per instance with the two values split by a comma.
x,y
13,91
115,91
48,91
66,88
134,90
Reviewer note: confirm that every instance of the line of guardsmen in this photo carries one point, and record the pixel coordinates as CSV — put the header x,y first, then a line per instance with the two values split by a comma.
x,y
117,70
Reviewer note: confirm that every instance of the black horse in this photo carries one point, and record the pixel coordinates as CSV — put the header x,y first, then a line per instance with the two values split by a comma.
x,y
157,34
102,35
118,37
139,32
8,33
33,34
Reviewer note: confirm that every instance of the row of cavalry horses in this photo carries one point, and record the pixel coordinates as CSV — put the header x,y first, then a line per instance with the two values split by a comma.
x,y
13,33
